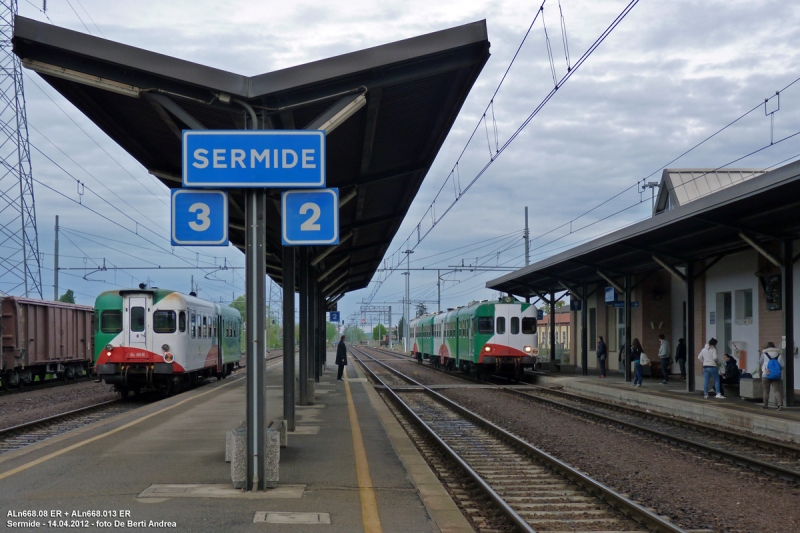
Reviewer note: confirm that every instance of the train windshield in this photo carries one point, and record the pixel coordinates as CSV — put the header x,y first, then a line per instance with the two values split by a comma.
x,y
137,318
164,321
485,324
111,321
528,325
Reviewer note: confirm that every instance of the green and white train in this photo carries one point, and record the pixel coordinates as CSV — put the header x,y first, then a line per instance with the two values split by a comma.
x,y
156,338
486,337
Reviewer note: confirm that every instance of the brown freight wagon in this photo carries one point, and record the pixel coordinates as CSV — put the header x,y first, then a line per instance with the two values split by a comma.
x,y
41,337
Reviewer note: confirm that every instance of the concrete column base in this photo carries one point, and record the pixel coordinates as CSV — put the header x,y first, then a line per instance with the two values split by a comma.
x,y
282,428
239,457
272,460
310,391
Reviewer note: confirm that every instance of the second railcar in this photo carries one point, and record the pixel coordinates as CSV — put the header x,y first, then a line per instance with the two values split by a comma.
x,y
486,337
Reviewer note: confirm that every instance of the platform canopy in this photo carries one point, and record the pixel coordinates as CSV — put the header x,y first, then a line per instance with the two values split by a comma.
x,y
759,212
387,111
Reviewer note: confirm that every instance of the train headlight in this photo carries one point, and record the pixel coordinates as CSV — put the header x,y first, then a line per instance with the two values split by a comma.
x,y
168,357
109,347
487,348
528,349
165,347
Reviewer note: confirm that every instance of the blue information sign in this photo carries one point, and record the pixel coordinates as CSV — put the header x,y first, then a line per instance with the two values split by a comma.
x,y
310,217
335,316
260,159
539,314
199,218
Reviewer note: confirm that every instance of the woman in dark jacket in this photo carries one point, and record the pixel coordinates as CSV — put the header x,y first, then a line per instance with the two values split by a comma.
x,y
731,375
636,352
341,357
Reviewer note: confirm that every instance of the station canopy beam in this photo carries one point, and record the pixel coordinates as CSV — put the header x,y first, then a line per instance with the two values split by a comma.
x,y
387,110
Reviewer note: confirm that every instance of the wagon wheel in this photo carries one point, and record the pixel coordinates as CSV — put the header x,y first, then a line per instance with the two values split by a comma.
x,y
124,391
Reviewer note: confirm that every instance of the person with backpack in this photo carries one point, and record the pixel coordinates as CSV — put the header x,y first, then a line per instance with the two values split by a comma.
x,y
602,355
708,358
772,366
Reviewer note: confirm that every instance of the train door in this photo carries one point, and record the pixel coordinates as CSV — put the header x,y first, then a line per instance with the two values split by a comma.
x,y
501,325
137,322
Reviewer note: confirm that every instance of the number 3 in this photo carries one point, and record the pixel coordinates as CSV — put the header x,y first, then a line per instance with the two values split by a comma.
x,y
309,225
202,216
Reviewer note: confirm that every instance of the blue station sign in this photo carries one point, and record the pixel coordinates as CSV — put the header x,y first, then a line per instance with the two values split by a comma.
x,y
335,316
310,217
199,218
253,159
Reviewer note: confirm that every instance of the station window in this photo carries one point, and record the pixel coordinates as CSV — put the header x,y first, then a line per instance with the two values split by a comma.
x,y
744,305
164,322
514,325
528,325
501,324
111,321
137,318
182,321
485,325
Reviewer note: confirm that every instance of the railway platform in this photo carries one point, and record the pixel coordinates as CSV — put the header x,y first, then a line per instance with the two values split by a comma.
x,y
731,412
348,467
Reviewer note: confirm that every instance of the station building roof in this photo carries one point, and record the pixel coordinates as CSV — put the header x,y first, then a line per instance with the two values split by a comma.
x,y
681,186
410,93
761,210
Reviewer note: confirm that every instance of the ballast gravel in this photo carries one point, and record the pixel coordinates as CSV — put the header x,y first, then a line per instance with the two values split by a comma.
x,y
35,404
693,491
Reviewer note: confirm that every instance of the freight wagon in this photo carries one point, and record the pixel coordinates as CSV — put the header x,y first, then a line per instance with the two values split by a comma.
x,y
41,337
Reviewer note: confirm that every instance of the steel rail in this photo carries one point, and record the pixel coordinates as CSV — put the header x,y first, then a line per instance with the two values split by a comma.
x,y
55,418
756,464
609,495
736,458
510,513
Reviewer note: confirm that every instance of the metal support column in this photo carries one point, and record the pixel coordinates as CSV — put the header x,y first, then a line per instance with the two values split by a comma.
x,y
256,302
690,351
788,320
288,337
302,270
584,331
628,320
552,330
314,305
323,333
55,265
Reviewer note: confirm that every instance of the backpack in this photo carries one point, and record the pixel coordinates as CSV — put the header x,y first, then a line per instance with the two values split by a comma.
x,y
773,368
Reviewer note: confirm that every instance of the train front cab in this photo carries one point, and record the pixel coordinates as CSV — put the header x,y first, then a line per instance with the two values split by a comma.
x,y
506,338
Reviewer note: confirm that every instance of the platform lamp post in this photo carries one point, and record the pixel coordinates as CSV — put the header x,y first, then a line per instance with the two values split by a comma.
x,y
407,310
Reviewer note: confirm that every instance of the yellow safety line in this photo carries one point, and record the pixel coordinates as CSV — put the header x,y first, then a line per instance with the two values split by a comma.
x,y
45,458
369,506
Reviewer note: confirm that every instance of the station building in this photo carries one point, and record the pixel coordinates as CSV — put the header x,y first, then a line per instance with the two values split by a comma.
x,y
718,258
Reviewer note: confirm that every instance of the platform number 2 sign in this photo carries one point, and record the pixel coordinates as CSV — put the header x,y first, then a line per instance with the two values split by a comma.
x,y
199,218
310,217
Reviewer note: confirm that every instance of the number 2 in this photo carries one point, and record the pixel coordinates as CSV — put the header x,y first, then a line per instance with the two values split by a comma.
x,y
310,224
202,216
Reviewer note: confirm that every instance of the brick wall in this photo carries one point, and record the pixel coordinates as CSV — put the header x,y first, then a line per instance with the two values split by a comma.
x,y
770,323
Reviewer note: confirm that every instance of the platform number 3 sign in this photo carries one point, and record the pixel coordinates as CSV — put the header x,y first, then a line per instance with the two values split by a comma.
x,y
310,217
199,218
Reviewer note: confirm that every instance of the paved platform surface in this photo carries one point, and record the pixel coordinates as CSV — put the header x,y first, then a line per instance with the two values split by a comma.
x,y
349,467
733,412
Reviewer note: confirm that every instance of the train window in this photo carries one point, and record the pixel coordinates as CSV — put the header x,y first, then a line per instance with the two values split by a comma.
x,y
528,325
514,325
137,318
501,324
164,322
182,321
111,321
205,326
193,325
485,324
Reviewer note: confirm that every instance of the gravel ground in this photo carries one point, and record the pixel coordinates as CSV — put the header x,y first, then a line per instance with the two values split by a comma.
x,y
693,491
26,406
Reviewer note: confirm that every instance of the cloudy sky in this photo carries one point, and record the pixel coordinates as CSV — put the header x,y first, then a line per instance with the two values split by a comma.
x,y
670,75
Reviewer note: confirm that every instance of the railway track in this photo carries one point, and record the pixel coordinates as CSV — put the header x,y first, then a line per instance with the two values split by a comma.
x,y
533,490
40,385
759,454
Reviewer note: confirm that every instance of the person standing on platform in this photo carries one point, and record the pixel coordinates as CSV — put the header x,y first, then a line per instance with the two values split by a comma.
x,y
602,355
680,356
708,358
341,357
636,354
663,354
772,365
